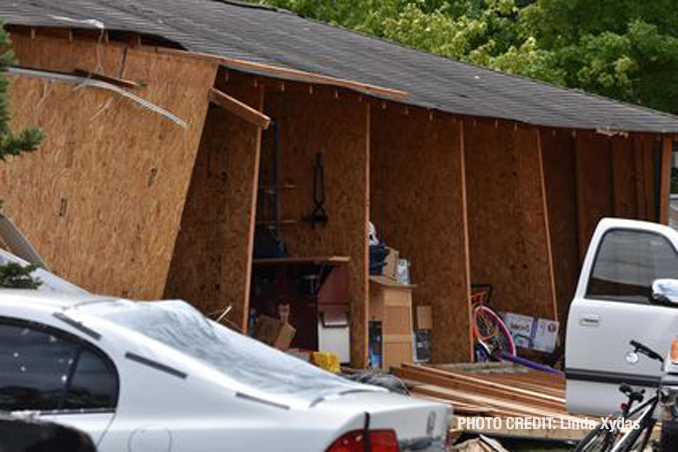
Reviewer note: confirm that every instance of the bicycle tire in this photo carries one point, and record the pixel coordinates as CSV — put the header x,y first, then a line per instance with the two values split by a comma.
x,y
491,330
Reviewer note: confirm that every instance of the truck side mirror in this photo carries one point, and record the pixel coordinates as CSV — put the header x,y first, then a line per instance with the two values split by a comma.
x,y
665,291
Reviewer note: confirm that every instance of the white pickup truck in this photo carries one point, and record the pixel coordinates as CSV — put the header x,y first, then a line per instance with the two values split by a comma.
x,y
614,304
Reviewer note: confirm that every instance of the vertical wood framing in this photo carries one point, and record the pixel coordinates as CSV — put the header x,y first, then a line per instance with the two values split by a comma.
x,y
467,250
547,224
242,319
361,350
665,190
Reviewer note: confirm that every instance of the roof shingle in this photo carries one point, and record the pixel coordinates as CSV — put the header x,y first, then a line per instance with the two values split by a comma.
x,y
283,39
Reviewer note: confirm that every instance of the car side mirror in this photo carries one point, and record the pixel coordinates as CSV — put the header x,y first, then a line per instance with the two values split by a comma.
x,y
665,291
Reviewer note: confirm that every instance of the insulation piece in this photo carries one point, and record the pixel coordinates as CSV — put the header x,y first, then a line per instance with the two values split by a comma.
x,y
84,82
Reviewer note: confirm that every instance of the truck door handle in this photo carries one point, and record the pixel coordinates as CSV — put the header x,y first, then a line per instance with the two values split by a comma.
x,y
589,320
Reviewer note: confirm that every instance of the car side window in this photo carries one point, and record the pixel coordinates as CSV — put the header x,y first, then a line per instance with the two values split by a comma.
x,y
94,384
626,264
42,370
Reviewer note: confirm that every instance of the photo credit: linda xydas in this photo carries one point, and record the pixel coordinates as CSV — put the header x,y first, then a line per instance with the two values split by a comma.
x,y
540,423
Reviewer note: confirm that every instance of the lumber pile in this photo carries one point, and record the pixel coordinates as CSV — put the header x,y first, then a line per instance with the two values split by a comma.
x,y
502,391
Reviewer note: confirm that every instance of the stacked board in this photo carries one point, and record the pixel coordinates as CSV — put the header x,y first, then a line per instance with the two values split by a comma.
x,y
498,390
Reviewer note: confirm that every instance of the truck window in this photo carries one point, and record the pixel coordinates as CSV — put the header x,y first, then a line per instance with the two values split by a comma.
x,y
626,264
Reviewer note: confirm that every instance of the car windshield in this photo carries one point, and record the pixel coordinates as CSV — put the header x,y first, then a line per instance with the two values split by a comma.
x,y
245,360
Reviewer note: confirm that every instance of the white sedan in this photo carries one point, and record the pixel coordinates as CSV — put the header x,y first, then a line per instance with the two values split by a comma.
x,y
159,376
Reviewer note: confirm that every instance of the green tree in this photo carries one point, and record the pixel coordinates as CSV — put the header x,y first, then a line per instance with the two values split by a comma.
x,y
13,275
624,49
16,276
27,140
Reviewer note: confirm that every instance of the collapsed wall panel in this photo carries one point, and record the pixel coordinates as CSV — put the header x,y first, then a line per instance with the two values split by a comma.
x,y
509,246
337,128
417,205
101,199
212,261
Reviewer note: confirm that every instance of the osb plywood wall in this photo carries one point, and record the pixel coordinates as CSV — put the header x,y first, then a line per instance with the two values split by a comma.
x,y
212,260
417,206
588,177
561,194
102,198
615,177
507,223
337,128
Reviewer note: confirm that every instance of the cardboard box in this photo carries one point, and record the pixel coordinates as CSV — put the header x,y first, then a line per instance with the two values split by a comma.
x,y
532,333
390,270
274,332
424,318
391,306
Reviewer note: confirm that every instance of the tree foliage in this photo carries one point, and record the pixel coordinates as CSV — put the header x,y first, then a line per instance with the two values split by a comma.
x,y
10,143
16,276
624,49
13,275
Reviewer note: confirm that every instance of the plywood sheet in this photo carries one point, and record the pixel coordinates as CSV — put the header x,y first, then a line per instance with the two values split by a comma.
x,y
558,160
595,197
339,129
213,258
416,203
102,198
507,223
623,178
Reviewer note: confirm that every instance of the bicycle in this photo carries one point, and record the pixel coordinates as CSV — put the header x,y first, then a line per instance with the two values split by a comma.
x,y
492,338
632,425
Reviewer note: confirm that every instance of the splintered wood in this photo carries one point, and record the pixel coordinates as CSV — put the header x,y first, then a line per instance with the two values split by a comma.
x,y
497,390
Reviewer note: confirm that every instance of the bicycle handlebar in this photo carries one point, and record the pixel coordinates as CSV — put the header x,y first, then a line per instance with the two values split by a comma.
x,y
647,351
634,396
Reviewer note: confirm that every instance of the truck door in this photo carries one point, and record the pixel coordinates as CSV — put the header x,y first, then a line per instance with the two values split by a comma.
x,y
612,306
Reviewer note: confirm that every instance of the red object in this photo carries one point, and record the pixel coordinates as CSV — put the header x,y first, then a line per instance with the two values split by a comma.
x,y
354,441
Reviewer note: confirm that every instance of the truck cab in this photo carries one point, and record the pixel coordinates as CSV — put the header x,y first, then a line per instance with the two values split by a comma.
x,y
613,305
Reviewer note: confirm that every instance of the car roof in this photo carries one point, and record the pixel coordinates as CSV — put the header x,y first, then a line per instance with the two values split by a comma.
x,y
45,299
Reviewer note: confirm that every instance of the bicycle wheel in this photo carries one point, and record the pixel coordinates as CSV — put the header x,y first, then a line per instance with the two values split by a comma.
x,y
600,439
490,330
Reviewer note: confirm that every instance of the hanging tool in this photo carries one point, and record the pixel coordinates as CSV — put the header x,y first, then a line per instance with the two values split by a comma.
x,y
319,215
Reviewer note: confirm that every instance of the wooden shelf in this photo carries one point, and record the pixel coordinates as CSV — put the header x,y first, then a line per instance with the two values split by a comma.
x,y
271,223
272,188
319,260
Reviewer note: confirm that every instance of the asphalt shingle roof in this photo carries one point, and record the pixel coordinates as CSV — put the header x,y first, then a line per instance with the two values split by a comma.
x,y
283,39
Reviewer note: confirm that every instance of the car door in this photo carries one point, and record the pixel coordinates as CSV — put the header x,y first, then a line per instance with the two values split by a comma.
x,y
49,374
612,306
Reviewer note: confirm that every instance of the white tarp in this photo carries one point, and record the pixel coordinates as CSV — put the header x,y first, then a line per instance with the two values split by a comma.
x,y
247,361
